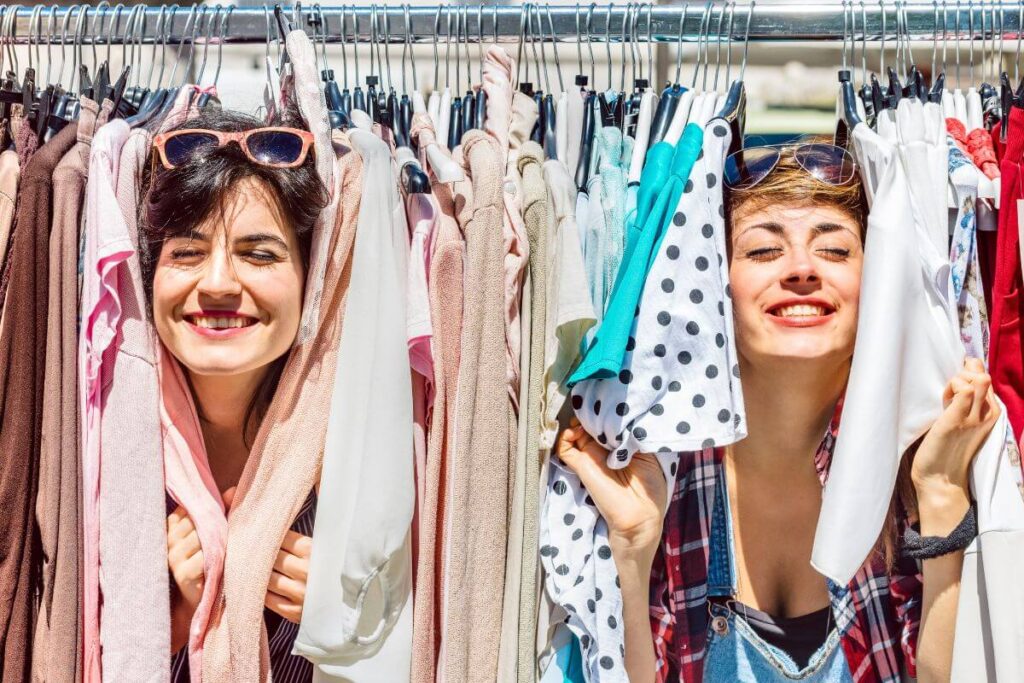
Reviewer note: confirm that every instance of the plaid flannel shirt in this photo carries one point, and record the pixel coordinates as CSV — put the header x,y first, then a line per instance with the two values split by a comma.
x,y
877,614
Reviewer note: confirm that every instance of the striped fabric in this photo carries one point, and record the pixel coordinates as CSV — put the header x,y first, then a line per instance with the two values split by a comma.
x,y
286,667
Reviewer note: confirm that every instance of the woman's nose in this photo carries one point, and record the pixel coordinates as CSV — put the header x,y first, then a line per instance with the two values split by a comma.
x,y
800,269
219,277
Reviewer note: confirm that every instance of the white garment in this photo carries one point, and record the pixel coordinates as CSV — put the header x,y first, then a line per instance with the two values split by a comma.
x,y
899,371
665,358
562,126
570,313
358,596
313,106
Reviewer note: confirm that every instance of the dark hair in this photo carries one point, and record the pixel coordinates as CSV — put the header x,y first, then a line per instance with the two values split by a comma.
x,y
176,201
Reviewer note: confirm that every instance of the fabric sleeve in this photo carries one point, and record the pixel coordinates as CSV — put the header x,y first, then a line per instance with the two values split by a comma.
x,y
906,588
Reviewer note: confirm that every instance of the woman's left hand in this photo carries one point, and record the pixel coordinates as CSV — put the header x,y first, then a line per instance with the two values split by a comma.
x,y
941,466
287,588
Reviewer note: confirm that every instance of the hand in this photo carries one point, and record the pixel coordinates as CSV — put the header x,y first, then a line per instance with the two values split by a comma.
x,y
286,591
941,467
948,449
185,558
632,500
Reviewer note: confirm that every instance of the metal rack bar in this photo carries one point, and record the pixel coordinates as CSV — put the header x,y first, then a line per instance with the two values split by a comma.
x,y
768,23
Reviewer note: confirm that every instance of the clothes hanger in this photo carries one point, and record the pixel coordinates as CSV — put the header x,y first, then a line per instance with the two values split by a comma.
x,y
441,163
645,115
433,106
849,117
549,136
670,96
405,107
608,97
413,178
469,99
582,175
154,99
537,134
390,100
480,103
455,102
332,93
692,100
734,110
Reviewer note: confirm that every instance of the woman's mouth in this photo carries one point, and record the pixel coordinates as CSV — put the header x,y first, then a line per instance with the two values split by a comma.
x,y
219,326
803,314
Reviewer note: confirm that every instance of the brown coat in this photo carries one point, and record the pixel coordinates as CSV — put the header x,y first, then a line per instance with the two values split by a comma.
x,y
22,361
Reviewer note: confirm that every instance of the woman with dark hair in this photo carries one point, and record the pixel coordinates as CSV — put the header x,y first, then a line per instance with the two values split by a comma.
x,y
749,511
227,229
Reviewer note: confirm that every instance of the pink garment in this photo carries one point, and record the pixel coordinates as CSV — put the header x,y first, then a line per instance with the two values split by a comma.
x,y
106,249
190,482
422,213
497,83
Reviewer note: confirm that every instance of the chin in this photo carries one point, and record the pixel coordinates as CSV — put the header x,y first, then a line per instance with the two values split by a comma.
x,y
218,363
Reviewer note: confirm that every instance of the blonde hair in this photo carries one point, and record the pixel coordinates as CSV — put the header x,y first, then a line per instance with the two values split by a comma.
x,y
789,183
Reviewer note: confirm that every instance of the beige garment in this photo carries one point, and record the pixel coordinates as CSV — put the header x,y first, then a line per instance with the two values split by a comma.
x,y
445,288
284,462
57,644
479,488
520,580
523,116
9,169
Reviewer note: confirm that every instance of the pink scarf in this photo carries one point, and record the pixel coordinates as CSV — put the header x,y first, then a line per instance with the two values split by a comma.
x,y
190,483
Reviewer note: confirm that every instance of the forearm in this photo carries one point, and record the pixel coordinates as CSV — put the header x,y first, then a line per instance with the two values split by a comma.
x,y
634,568
940,511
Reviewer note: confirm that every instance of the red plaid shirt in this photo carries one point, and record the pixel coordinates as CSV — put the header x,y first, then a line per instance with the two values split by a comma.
x,y
877,614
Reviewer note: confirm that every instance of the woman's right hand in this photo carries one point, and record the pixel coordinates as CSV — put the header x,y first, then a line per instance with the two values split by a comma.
x,y
632,500
185,556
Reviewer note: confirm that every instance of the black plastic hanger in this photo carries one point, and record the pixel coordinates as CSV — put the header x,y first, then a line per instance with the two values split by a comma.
x,y
668,102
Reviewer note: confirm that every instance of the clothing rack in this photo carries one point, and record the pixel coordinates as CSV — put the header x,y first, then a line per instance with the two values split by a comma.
x,y
723,21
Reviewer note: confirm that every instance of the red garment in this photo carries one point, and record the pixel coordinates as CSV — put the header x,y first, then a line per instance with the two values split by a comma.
x,y
979,146
1006,354
958,132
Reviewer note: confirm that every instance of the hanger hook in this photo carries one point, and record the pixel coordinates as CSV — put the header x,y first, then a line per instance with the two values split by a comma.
x,y
679,40
718,44
181,41
465,44
218,8
33,18
729,38
746,38
970,34
705,23
622,44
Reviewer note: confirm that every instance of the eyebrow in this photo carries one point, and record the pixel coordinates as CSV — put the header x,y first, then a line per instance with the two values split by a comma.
x,y
820,229
253,238
258,237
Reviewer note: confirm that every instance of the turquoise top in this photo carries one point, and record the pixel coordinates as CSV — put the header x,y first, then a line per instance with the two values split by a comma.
x,y
661,186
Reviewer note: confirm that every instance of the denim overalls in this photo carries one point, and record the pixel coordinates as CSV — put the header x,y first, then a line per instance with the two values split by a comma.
x,y
734,651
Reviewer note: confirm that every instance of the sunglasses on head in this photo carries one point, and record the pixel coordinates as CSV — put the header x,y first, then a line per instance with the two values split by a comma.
x,y
829,164
274,147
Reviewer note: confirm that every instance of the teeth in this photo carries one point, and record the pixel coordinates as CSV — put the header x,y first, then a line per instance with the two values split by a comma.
x,y
802,310
215,323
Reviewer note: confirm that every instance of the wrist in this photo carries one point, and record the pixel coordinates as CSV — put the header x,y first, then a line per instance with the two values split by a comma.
x,y
632,553
941,506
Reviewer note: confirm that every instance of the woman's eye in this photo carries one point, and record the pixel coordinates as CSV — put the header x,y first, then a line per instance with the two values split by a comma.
x,y
262,257
764,253
836,254
185,254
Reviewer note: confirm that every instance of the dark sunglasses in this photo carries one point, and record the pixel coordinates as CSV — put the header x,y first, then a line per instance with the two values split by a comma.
x,y
829,164
274,147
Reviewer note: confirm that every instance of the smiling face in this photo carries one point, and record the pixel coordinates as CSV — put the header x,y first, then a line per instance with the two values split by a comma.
x,y
227,298
795,275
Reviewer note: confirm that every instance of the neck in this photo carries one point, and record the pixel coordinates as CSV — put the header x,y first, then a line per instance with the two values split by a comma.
x,y
793,407
223,402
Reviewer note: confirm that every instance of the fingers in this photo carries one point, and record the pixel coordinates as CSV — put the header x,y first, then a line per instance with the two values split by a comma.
x,y
968,393
283,606
229,497
291,566
183,549
179,525
287,587
297,544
